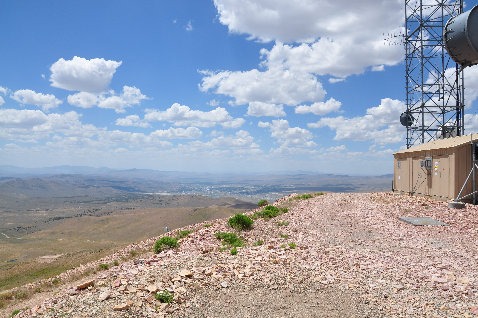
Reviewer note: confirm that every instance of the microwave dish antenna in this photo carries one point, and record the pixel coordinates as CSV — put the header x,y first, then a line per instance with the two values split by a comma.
x,y
461,38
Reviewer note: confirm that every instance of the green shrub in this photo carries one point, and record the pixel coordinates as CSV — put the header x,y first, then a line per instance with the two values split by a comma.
x,y
21,295
103,266
284,210
207,225
270,212
319,193
283,246
240,222
256,215
259,242
284,236
164,243
262,203
115,263
183,234
230,239
283,223
292,245
55,281
15,312
304,196
133,253
234,251
164,296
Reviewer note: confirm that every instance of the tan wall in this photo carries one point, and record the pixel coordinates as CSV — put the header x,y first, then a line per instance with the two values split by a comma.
x,y
440,177
438,182
450,168
401,175
421,181
463,165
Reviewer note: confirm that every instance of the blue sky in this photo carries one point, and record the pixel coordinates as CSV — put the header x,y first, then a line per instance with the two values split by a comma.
x,y
223,85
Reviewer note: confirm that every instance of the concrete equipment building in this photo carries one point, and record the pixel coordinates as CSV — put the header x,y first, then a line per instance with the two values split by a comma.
x,y
443,169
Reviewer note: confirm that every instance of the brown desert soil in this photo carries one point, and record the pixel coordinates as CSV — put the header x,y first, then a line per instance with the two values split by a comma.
x,y
352,258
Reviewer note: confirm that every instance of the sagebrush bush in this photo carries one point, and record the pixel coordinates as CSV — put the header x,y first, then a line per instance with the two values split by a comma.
x,y
262,203
103,266
230,239
164,243
164,296
240,222
270,212
183,234
304,196
21,295
234,251
307,196
259,242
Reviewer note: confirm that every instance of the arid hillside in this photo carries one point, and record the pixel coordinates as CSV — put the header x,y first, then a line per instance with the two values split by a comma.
x,y
332,255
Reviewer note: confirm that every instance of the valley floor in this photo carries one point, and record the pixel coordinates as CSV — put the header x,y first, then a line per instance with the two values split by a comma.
x,y
334,255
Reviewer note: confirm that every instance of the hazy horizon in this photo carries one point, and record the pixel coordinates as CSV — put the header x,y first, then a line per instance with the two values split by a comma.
x,y
4,168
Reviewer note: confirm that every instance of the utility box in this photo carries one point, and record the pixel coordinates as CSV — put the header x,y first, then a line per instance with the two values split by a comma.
x,y
437,169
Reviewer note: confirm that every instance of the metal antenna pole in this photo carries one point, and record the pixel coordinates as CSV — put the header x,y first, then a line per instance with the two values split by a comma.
x,y
434,82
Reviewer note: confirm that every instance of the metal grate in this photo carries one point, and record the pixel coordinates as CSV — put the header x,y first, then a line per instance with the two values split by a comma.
x,y
422,221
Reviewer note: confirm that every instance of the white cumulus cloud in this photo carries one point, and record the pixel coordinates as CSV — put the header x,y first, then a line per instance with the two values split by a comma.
x,y
181,115
233,123
177,133
274,86
319,108
259,109
129,97
335,37
83,99
471,123
131,121
288,136
471,85
80,74
380,124
29,97
339,58
239,143
23,118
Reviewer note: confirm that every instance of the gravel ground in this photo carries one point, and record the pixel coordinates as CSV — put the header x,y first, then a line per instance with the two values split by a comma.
x,y
353,258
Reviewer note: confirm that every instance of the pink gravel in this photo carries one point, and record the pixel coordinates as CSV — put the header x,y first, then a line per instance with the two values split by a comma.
x,y
353,258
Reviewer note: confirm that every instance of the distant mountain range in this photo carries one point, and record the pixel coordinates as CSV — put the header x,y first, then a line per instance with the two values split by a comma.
x,y
69,181
185,176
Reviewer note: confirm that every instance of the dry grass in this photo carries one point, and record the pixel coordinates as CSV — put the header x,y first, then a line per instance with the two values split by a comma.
x,y
86,239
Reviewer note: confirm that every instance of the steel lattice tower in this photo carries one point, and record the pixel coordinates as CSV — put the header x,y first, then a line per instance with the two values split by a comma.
x,y
434,82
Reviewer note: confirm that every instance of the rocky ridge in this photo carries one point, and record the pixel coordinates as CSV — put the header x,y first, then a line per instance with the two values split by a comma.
x,y
336,255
